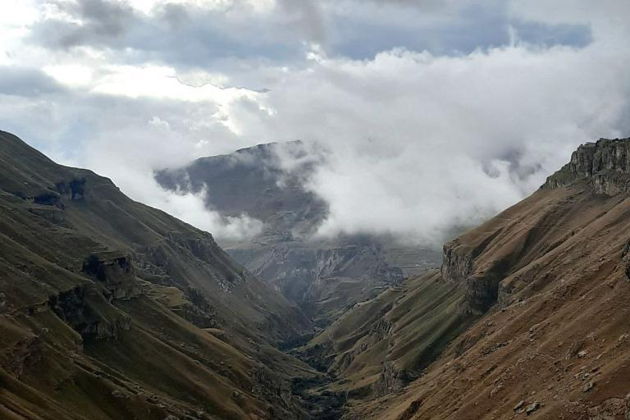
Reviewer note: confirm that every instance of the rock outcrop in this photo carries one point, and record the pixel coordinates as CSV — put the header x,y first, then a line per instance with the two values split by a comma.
x,y
625,258
115,271
86,311
604,164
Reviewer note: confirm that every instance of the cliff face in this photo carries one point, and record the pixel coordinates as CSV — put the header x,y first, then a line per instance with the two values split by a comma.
x,y
602,168
604,164
544,288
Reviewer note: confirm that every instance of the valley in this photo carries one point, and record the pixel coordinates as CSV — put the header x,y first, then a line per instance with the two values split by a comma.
x,y
112,309
324,276
314,210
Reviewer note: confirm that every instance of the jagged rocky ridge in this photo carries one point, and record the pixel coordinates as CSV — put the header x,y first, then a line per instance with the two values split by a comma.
x,y
605,164
543,290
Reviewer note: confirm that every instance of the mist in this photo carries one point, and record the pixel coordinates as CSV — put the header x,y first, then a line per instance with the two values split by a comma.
x,y
432,115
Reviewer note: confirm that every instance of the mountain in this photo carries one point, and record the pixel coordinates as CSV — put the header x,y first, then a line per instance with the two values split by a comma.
x,y
270,183
528,315
112,309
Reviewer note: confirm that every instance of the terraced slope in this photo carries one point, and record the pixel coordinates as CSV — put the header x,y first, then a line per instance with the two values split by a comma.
x,y
112,309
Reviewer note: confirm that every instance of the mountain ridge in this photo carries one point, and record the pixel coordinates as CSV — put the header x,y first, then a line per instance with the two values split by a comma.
x,y
112,309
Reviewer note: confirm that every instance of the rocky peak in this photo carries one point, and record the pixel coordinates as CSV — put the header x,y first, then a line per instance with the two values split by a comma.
x,y
605,164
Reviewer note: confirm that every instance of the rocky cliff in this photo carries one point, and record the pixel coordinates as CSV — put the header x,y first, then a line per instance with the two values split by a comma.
x,y
602,167
604,164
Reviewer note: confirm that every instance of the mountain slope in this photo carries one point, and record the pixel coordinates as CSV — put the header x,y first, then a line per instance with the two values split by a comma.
x,y
381,344
112,309
549,279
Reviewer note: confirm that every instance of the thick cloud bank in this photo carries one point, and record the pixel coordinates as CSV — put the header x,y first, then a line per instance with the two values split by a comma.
x,y
421,143
434,114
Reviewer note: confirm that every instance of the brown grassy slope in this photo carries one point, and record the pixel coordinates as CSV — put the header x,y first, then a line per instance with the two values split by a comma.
x,y
552,272
76,344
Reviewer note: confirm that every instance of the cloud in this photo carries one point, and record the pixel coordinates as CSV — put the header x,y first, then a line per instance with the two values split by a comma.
x,y
16,81
231,34
422,143
191,208
80,22
306,15
433,114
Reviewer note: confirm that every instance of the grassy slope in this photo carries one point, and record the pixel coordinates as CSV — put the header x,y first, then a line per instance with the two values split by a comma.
x,y
382,343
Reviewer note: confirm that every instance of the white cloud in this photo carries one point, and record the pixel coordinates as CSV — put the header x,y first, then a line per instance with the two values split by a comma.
x,y
162,83
148,6
72,75
417,141
191,209
421,143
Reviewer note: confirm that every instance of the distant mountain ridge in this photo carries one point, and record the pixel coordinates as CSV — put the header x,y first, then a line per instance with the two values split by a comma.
x,y
269,182
252,181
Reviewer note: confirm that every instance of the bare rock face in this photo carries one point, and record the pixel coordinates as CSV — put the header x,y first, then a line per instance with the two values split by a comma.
x,y
84,308
482,287
605,164
625,258
115,271
457,262
74,189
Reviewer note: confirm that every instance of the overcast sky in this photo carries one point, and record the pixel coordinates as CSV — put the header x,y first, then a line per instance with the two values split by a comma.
x,y
435,113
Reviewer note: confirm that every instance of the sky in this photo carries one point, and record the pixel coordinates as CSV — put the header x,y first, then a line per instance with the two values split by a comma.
x,y
433,113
